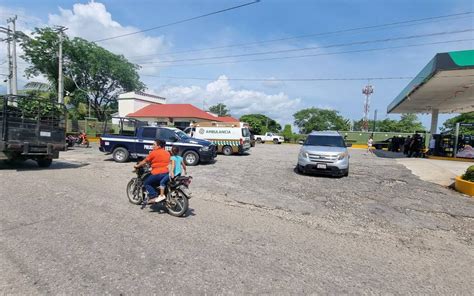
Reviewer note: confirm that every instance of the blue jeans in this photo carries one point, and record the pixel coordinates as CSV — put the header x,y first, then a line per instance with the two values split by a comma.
x,y
152,180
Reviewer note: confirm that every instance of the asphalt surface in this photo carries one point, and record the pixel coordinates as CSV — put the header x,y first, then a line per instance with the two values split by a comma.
x,y
255,227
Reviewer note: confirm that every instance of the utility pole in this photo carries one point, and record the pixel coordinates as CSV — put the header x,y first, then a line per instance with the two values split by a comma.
x,y
13,83
9,58
375,120
60,31
367,91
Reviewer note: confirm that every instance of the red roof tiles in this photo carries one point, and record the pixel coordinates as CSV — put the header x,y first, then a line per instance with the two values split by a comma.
x,y
178,111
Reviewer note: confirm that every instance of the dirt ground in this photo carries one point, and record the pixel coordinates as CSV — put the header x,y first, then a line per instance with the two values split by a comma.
x,y
255,226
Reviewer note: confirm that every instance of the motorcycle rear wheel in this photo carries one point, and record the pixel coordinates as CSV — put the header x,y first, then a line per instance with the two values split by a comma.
x,y
134,191
177,204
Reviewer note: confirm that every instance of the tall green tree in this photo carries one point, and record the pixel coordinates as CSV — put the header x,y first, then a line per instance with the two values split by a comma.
x,y
287,132
260,123
220,109
88,68
450,124
385,125
315,119
409,123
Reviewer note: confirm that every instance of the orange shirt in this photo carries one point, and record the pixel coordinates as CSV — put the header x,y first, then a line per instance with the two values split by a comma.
x,y
159,159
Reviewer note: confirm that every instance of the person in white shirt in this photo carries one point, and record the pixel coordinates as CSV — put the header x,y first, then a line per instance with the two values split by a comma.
x,y
369,144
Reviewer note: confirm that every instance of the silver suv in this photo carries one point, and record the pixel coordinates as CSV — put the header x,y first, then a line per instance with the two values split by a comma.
x,y
324,153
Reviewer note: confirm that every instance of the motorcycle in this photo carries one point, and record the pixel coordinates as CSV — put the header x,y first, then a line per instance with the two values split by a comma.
x,y
176,191
79,140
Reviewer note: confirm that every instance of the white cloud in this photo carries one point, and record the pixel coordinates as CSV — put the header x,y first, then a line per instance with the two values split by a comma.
x,y
92,21
277,106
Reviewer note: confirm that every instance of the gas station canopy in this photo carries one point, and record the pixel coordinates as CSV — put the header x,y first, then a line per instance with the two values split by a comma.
x,y
446,84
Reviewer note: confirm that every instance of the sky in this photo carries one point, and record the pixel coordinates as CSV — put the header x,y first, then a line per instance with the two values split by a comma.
x,y
266,20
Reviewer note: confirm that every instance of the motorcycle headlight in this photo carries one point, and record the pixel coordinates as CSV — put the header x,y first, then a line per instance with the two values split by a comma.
x,y
342,155
205,148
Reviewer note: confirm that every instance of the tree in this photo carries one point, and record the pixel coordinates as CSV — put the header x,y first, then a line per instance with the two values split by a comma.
x,y
450,124
260,123
409,123
385,125
311,119
220,109
88,68
287,132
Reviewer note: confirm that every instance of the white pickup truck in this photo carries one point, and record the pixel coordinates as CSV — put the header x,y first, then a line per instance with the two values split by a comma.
x,y
269,137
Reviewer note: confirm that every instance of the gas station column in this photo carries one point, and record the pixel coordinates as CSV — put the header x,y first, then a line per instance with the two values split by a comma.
x,y
434,121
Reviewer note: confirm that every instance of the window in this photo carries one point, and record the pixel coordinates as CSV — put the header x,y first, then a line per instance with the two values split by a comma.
x,y
332,141
166,135
245,132
149,133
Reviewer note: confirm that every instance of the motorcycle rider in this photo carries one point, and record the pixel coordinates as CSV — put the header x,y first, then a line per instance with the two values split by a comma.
x,y
159,159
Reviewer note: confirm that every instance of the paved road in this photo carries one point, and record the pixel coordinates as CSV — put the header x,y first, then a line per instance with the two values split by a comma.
x,y
255,227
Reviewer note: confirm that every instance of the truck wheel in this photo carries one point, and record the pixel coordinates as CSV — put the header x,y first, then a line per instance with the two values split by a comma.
x,y
275,141
120,154
227,150
44,163
191,158
259,140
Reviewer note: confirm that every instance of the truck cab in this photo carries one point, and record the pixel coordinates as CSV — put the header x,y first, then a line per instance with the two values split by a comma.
x,y
125,146
269,137
31,128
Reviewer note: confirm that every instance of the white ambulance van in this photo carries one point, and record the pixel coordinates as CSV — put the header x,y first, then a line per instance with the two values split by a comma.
x,y
229,137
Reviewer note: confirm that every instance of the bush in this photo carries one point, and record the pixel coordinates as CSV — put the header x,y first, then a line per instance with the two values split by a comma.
x,y
469,175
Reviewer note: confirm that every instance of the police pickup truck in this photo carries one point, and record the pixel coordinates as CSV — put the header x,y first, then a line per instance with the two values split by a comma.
x,y
125,147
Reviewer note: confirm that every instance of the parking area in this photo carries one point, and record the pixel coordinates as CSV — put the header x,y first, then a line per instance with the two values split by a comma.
x,y
255,226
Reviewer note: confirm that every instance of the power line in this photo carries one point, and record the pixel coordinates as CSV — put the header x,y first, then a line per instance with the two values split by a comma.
x,y
321,54
300,79
428,19
314,47
180,21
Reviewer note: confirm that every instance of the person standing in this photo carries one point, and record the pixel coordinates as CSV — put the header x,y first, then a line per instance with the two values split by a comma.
x,y
370,142
432,146
406,146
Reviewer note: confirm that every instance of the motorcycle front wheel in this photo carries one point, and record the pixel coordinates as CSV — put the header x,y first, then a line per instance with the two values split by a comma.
x,y
177,203
134,191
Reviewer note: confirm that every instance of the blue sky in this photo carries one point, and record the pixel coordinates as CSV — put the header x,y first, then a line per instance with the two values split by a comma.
x,y
269,19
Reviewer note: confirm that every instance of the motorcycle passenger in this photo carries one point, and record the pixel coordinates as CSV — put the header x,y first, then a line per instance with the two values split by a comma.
x,y
177,163
159,159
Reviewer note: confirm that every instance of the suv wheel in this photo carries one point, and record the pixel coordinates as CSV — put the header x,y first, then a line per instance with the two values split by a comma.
x,y
191,158
275,141
259,140
299,169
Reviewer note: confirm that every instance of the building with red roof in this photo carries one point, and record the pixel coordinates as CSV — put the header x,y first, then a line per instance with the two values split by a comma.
x,y
179,115
154,110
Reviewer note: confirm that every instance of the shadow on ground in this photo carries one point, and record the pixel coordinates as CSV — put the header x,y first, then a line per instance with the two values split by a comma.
x,y
389,154
31,165
161,209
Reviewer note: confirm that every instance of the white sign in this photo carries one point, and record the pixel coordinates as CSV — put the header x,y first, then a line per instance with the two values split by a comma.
x,y
45,134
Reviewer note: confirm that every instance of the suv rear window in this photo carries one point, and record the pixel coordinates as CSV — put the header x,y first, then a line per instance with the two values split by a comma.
x,y
332,141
